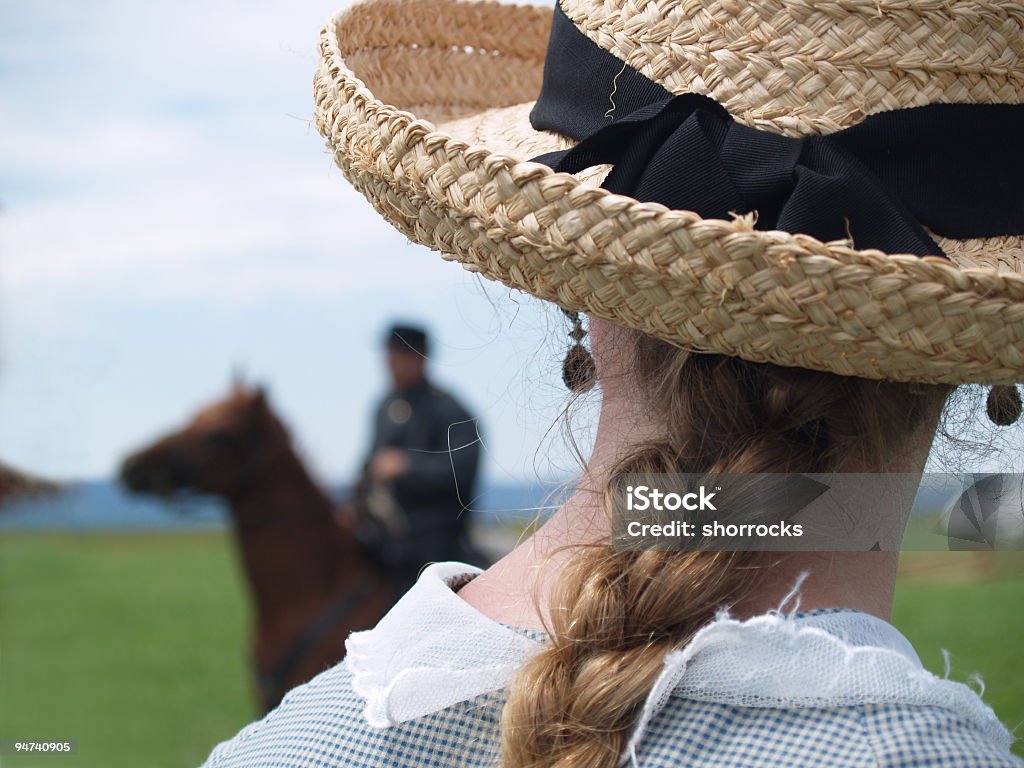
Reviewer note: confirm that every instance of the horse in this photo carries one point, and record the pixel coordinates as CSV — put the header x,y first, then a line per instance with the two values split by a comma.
x,y
15,484
311,582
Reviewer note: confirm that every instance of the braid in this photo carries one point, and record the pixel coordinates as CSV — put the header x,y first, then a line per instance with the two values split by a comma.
x,y
617,614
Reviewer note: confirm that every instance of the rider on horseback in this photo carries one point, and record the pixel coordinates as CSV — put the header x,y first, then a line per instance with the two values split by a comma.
x,y
418,480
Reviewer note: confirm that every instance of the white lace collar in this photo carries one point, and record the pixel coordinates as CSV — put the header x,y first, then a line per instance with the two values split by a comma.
x,y
430,651
433,650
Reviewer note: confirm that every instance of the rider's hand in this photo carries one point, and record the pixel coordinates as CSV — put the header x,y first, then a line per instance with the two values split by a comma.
x,y
388,463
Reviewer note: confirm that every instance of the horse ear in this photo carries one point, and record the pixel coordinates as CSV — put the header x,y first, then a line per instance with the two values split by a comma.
x,y
260,395
237,378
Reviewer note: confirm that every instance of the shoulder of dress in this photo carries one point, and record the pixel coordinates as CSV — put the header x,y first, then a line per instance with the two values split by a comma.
x,y
905,735
327,703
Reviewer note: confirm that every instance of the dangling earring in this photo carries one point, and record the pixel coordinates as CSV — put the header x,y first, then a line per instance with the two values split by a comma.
x,y
578,371
1003,405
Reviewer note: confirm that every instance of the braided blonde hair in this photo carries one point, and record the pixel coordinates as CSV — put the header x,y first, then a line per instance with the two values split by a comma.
x,y
618,614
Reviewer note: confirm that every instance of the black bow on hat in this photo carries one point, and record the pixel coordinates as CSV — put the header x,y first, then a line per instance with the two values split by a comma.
x,y
946,167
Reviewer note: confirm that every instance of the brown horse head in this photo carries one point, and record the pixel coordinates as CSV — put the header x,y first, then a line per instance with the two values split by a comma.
x,y
222,449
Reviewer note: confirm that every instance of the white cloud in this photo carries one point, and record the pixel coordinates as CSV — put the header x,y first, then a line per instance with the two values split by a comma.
x,y
175,209
213,236
169,166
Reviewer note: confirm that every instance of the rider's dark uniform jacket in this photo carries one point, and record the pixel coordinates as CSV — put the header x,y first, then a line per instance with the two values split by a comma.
x,y
442,446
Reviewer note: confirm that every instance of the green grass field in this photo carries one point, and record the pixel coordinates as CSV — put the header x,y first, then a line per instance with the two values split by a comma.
x,y
135,645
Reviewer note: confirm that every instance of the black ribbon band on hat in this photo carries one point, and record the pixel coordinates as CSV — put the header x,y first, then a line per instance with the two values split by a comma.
x,y
957,169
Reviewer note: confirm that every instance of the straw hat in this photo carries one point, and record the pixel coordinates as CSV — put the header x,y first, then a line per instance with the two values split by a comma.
x,y
426,105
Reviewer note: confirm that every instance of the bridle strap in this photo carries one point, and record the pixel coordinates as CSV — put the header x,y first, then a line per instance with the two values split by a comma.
x,y
273,682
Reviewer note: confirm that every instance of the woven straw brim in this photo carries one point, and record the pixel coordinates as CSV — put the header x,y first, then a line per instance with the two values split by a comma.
x,y
425,103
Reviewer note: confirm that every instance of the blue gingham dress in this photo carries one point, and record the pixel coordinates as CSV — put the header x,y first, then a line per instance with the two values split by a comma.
x,y
825,688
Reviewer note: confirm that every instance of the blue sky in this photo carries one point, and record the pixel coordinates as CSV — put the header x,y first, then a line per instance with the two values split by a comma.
x,y
169,214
